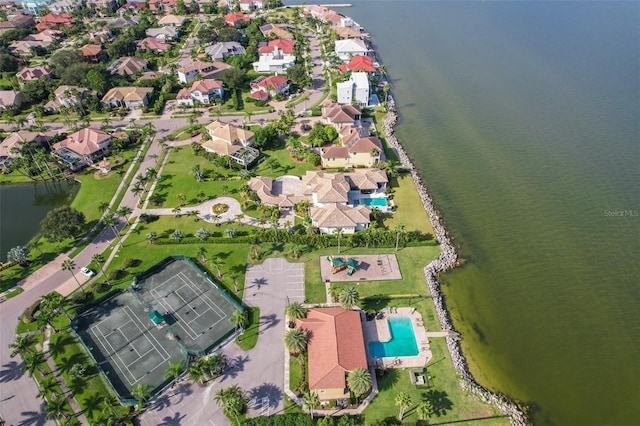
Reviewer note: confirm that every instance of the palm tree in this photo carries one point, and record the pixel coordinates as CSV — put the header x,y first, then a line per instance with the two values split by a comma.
x,y
201,196
57,408
359,381
295,340
202,234
403,400
182,199
310,401
295,311
103,206
70,265
197,371
202,254
113,223
98,259
140,393
151,237
177,235
174,370
137,189
239,319
22,345
32,362
217,263
339,232
46,386
176,211
124,211
233,400
216,219
334,292
425,409
54,303
349,297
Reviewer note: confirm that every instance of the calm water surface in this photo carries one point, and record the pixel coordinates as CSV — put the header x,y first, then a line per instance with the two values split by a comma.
x,y
22,208
523,117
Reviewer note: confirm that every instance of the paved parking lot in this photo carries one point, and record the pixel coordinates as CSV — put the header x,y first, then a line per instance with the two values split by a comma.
x,y
260,371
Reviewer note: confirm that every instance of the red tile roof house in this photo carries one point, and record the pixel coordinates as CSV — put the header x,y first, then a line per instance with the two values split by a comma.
x,y
82,148
12,145
52,20
203,91
358,63
93,52
32,73
335,347
275,57
341,115
232,19
152,43
271,86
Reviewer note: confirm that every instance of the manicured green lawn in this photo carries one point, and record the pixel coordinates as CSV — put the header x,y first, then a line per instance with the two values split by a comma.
x,y
410,259
231,259
409,211
295,373
177,178
287,166
455,406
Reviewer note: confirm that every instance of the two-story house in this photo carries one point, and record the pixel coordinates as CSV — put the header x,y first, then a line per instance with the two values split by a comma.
x,y
275,56
202,91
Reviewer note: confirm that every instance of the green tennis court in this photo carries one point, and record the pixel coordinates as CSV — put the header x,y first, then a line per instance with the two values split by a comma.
x,y
171,311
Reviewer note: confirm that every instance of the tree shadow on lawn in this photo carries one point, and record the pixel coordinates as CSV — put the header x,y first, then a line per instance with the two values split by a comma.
x,y
440,401
390,377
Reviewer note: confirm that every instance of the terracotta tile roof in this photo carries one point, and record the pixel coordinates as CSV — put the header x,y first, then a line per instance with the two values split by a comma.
x,y
364,144
172,20
228,133
275,81
17,140
340,216
328,187
91,50
335,152
285,46
184,94
129,93
359,63
33,73
85,142
260,95
206,85
335,346
153,44
232,18
337,113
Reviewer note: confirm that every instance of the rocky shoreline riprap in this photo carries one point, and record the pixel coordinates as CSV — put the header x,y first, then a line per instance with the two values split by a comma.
x,y
447,260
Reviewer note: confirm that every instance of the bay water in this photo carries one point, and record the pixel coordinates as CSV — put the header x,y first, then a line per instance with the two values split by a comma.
x,y
523,119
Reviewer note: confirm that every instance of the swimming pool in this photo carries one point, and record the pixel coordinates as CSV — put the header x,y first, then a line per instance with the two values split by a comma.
x,y
402,343
375,202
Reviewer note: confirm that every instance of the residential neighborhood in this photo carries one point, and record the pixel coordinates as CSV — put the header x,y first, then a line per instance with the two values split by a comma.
x,y
252,143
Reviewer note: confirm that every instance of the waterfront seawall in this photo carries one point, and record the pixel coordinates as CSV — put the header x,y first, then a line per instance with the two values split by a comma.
x,y
447,260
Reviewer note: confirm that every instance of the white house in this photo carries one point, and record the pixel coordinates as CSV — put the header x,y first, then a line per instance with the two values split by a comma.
x,y
275,57
203,91
356,89
346,49
208,70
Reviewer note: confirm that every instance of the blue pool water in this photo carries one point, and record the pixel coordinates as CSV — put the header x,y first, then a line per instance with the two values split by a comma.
x,y
402,343
376,202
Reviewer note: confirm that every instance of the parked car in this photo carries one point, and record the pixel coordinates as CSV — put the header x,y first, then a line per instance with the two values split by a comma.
x,y
87,272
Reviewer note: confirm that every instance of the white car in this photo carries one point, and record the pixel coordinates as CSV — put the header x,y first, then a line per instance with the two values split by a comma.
x,y
87,272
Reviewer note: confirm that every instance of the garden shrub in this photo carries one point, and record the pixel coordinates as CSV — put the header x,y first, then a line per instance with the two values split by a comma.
x,y
27,317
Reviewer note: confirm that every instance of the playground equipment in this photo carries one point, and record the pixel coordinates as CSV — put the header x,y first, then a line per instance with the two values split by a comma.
x,y
338,264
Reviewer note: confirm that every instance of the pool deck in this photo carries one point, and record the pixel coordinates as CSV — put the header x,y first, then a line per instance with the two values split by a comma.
x,y
370,268
377,330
